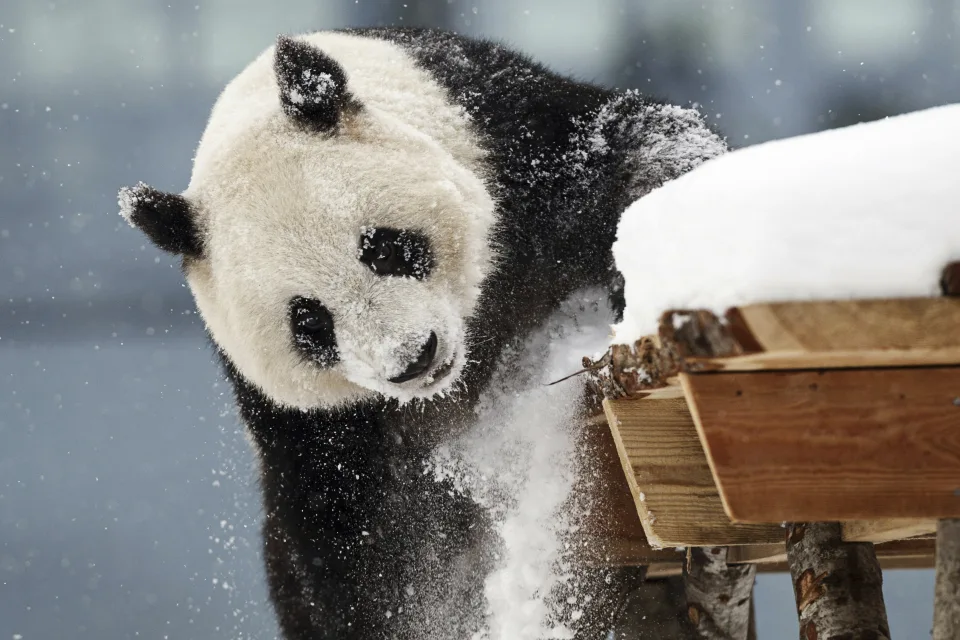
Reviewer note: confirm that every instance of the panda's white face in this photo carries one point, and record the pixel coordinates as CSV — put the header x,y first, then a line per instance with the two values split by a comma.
x,y
340,263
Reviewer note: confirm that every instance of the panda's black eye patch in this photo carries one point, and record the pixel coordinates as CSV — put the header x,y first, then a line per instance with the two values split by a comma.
x,y
394,252
312,326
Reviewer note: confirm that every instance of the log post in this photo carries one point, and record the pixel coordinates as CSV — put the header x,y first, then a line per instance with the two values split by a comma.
x,y
946,604
719,596
838,585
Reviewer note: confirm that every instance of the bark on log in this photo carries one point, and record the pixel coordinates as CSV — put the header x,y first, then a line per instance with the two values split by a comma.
x,y
946,604
629,370
719,596
701,334
838,585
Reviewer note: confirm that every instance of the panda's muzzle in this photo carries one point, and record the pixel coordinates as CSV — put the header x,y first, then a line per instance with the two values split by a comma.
x,y
422,364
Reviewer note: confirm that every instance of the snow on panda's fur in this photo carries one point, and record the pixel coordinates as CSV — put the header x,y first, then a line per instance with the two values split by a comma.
x,y
374,215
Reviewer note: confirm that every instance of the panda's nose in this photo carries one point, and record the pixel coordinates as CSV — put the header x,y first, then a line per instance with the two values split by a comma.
x,y
419,366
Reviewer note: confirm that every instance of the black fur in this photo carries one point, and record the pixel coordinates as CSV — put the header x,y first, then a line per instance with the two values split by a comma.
x,y
359,543
313,86
166,218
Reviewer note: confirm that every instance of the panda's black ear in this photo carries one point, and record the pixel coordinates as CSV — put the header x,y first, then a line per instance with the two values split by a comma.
x,y
166,218
313,86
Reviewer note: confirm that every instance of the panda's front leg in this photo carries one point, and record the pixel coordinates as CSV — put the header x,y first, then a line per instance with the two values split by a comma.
x,y
404,558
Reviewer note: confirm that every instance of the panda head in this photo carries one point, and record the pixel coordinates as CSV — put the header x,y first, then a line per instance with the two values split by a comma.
x,y
334,248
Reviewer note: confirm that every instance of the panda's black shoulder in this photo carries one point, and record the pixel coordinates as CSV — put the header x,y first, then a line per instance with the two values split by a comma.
x,y
496,84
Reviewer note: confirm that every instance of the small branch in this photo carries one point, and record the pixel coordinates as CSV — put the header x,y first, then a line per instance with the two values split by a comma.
x,y
719,596
946,612
683,337
838,585
627,370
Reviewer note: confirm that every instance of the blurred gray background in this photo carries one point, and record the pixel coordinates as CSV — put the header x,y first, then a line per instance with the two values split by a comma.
x,y
127,494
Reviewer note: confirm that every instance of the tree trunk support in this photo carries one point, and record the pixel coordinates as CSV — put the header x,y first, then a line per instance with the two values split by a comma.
x,y
946,604
838,585
719,596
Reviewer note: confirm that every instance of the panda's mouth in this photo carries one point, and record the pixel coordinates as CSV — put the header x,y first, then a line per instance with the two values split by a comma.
x,y
421,364
442,371
420,368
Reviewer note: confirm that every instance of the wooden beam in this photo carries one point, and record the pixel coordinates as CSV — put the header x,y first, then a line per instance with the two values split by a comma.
x,y
758,553
667,472
917,549
659,570
612,533
916,553
621,552
834,445
886,564
877,531
820,334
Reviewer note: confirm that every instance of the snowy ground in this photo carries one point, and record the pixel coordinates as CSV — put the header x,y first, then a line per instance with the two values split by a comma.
x,y
865,211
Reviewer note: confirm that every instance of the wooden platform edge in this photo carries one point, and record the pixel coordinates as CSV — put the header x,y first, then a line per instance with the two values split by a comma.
x,y
879,531
771,465
685,385
674,492
833,334
916,553
652,539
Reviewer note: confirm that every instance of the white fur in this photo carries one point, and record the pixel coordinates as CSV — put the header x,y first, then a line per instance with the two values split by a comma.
x,y
281,210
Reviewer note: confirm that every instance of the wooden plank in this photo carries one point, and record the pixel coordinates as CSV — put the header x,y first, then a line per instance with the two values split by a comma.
x,y
919,549
835,445
877,531
624,552
758,553
887,564
840,334
612,533
669,478
917,553
664,570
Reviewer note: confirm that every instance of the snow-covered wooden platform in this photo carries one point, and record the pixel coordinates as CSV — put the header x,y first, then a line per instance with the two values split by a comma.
x,y
793,412
783,390
781,437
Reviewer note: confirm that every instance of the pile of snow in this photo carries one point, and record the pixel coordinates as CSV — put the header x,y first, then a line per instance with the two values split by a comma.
x,y
522,463
867,211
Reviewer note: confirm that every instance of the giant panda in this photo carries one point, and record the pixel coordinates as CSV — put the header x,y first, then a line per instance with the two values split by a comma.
x,y
374,216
